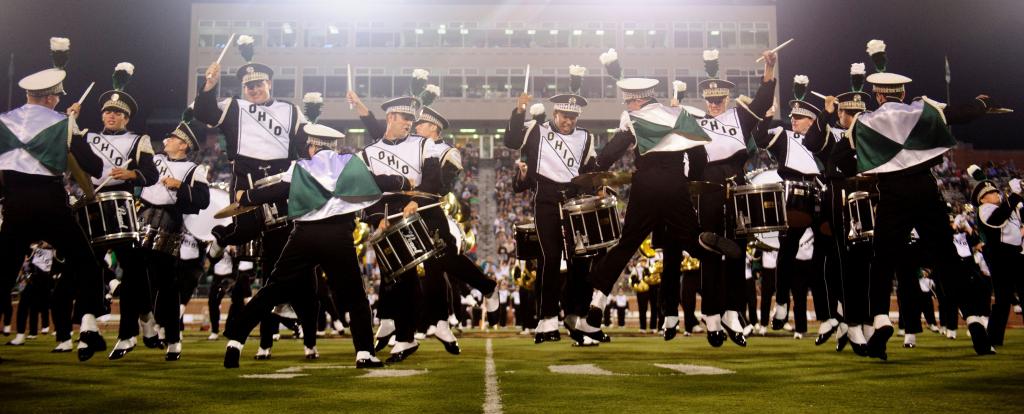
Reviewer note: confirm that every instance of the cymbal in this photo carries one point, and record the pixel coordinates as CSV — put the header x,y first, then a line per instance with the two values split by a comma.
x,y
998,111
597,179
232,210
704,187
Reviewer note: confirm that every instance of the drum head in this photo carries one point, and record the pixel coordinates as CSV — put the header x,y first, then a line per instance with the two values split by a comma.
x,y
201,225
767,177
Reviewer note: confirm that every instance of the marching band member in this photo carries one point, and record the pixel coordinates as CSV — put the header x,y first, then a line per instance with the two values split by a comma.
x,y
325,193
999,215
35,203
900,151
181,189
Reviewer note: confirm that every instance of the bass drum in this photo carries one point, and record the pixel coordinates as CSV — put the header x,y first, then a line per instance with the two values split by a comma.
x,y
201,225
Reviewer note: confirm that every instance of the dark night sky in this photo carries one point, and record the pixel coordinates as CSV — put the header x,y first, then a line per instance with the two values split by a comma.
x,y
982,39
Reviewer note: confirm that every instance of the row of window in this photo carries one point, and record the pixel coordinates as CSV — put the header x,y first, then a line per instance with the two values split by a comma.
x,y
458,84
698,35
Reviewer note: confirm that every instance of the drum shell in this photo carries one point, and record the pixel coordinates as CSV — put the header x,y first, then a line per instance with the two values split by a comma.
x,y
759,208
860,215
801,203
591,224
109,218
159,230
527,241
404,245
250,251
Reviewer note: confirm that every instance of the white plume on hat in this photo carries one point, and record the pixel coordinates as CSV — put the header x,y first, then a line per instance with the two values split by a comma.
x,y
801,79
857,69
876,46
679,86
313,97
711,54
420,73
608,57
434,89
577,70
59,44
125,66
537,109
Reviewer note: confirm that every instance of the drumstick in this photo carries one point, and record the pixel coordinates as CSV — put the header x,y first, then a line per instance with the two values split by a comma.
x,y
222,52
350,104
396,215
526,80
777,48
110,177
818,94
87,90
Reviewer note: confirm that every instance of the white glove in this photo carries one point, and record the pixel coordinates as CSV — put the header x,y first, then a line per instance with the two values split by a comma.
x,y
1015,185
624,121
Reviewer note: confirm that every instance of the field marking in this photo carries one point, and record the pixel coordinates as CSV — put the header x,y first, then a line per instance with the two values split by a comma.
x,y
492,398
392,373
273,376
695,369
580,369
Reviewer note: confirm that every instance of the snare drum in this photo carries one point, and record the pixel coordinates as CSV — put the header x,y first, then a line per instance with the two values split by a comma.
x,y
404,245
591,224
159,230
759,208
275,215
527,241
109,218
801,203
860,214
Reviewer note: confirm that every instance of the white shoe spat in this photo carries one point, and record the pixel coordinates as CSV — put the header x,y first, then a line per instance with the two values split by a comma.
x,y
444,332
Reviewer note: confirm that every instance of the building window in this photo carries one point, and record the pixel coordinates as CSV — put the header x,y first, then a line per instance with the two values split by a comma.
x,y
281,34
336,86
284,88
451,84
326,36
313,83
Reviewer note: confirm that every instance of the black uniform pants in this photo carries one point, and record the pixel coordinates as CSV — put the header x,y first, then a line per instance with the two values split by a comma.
x,y
36,208
768,288
451,263
327,243
912,201
550,234
688,298
526,311
722,280
163,274
136,292
643,302
659,196
1005,263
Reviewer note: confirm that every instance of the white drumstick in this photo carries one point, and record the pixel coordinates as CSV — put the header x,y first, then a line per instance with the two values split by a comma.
x,y
109,177
818,94
87,90
396,215
350,104
526,80
223,51
777,48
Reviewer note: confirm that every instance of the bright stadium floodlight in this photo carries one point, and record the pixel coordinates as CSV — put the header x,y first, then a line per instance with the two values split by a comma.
x,y
629,32
500,130
419,31
577,32
467,130
464,31
509,31
652,32
599,32
715,32
553,31
441,31
531,32
286,28
356,131
333,29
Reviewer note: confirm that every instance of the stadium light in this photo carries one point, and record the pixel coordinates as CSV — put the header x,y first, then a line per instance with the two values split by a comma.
x,y
577,32
599,32
509,31
531,32
419,31
652,32
629,32
467,130
553,31
333,29
464,31
356,131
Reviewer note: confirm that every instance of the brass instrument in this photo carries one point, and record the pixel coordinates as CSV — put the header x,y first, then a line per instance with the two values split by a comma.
x,y
690,263
646,248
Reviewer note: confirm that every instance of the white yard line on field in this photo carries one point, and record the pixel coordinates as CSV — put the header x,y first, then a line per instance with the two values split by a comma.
x,y
492,397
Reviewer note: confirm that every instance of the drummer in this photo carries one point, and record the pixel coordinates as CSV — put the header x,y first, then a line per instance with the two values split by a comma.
x,y
322,236
667,156
452,263
182,189
127,164
800,249
263,136
555,152
35,203
723,282
402,153
850,259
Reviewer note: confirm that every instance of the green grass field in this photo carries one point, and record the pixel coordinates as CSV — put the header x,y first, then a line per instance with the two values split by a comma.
x,y
774,374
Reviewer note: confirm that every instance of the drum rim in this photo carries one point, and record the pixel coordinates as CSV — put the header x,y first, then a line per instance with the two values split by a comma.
x,y
134,235
754,188
268,180
526,227
427,256
113,196
577,205
761,229
593,247
858,195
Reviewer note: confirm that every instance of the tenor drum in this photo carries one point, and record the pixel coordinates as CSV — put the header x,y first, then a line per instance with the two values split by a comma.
x,y
251,251
275,215
159,230
591,224
109,218
404,245
759,208
801,203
